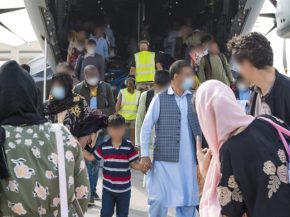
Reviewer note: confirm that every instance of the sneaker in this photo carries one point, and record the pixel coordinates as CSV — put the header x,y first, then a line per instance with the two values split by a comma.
x,y
92,200
97,197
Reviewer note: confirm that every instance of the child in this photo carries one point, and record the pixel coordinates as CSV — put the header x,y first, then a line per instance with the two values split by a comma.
x,y
119,155
127,105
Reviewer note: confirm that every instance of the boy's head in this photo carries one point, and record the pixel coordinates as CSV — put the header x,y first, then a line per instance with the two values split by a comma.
x,y
162,80
213,47
26,67
206,41
91,46
99,31
81,35
252,52
64,67
116,126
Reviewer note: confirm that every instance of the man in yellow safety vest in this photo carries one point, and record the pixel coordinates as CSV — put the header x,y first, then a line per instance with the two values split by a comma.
x,y
127,105
144,66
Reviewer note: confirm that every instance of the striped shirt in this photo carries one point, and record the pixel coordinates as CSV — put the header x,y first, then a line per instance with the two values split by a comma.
x,y
116,171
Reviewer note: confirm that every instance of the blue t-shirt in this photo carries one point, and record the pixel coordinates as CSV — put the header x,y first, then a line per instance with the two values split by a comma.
x,y
93,103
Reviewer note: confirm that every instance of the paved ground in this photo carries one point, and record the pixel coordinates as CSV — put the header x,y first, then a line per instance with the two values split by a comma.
x,y
138,206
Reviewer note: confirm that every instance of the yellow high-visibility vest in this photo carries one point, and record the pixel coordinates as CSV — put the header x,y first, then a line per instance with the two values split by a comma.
x,y
129,106
145,66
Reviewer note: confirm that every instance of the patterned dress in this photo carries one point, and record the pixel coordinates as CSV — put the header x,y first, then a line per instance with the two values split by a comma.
x,y
32,189
254,174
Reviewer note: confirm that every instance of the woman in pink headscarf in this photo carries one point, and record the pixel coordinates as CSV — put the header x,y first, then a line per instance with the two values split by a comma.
x,y
248,173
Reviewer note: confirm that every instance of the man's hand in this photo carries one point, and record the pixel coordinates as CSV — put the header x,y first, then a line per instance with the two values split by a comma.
x,y
203,157
146,164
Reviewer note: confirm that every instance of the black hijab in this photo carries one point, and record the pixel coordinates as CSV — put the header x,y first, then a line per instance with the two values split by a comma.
x,y
18,104
53,106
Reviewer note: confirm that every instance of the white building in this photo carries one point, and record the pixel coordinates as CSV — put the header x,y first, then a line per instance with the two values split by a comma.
x,y
22,53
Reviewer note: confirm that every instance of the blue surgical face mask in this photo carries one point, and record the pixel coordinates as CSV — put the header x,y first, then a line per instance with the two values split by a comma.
x,y
187,84
58,93
242,87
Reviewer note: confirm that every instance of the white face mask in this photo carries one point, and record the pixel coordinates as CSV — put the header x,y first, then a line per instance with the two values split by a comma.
x,y
80,48
91,51
93,81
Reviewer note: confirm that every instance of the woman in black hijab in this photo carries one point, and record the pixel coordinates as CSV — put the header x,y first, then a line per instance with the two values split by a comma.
x,y
62,100
71,109
28,153
18,103
18,96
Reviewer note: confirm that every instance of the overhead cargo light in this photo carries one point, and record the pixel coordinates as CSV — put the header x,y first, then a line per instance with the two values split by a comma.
x,y
7,37
19,24
11,4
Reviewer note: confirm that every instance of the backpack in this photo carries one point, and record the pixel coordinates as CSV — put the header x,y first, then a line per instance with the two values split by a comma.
x,y
78,66
149,97
208,66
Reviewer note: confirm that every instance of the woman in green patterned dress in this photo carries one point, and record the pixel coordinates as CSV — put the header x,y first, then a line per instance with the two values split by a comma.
x,y
28,153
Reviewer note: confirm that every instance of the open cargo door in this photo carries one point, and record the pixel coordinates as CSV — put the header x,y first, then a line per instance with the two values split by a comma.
x,y
44,27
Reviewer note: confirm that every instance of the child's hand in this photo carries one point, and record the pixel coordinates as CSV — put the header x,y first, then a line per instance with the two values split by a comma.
x,y
146,164
137,166
88,156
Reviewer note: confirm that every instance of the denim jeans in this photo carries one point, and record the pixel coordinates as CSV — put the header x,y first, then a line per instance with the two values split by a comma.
x,y
93,172
110,200
94,166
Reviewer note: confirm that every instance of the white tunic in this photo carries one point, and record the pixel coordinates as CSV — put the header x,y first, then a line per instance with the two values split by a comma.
x,y
175,183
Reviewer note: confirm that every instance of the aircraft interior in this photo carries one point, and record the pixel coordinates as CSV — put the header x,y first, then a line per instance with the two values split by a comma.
x,y
130,19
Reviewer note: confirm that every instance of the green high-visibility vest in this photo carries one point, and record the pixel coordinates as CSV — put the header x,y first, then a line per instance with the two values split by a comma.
x,y
145,66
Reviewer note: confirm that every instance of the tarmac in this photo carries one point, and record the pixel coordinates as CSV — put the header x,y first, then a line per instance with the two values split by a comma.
x,y
138,206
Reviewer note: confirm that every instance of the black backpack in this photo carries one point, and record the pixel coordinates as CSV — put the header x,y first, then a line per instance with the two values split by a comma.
x,y
149,97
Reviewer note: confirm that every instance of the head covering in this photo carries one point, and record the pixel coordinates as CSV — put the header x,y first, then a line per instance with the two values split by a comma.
x,y
18,103
219,115
93,122
18,96
53,106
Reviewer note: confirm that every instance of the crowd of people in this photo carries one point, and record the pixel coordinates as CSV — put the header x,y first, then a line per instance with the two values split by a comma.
x,y
209,144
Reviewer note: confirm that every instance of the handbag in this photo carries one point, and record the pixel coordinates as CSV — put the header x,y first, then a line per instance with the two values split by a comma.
x,y
62,176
